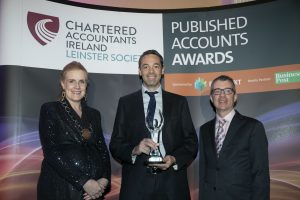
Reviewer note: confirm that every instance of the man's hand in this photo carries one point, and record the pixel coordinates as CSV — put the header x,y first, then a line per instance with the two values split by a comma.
x,y
145,146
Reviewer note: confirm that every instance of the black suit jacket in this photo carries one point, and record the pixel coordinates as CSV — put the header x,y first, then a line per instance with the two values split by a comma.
x,y
242,170
179,138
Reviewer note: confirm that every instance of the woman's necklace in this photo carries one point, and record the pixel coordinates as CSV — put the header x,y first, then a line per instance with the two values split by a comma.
x,y
85,132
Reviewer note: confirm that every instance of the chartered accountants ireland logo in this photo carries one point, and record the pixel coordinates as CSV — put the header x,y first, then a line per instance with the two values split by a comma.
x,y
43,28
200,84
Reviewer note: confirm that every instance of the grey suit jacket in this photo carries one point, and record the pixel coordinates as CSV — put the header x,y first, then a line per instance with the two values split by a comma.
x,y
242,170
179,138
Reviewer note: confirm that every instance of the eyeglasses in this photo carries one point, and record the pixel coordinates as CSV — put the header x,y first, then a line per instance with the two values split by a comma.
x,y
219,91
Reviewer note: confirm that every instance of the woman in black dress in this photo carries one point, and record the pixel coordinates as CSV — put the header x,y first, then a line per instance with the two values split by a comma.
x,y
76,161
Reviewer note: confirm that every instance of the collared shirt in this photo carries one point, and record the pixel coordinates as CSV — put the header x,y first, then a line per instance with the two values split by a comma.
x,y
158,108
228,119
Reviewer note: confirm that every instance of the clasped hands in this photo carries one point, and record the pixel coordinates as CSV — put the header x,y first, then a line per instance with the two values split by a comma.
x,y
94,189
146,146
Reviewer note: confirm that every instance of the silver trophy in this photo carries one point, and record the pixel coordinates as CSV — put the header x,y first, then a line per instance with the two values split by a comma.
x,y
155,130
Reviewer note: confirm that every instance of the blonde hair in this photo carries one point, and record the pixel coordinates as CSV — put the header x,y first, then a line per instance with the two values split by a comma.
x,y
71,66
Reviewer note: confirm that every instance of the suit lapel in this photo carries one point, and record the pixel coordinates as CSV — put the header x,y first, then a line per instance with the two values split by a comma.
x,y
166,107
211,136
139,105
137,110
209,139
235,124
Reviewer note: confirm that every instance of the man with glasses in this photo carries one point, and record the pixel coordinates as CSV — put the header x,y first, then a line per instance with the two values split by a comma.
x,y
233,150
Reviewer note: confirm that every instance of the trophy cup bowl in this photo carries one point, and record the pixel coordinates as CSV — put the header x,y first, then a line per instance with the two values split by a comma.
x,y
155,156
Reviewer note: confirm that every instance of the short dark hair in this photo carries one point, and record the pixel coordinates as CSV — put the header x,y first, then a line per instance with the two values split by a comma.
x,y
222,78
154,52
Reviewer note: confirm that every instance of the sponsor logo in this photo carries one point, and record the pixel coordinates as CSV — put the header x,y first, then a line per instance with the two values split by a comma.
x,y
43,28
200,84
287,77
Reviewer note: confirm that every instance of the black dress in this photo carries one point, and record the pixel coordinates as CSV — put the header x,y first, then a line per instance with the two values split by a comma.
x,y
70,159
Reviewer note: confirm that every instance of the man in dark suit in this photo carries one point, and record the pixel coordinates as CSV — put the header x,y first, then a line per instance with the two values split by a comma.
x,y
233,150
131,142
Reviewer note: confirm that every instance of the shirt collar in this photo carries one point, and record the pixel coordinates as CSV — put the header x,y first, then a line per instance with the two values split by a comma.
x,y
228,117
144,89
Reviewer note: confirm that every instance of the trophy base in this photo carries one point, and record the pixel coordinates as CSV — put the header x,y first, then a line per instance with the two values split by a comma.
x,y
154,160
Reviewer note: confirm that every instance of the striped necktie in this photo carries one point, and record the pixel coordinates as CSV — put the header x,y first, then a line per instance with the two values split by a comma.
x,y
220,135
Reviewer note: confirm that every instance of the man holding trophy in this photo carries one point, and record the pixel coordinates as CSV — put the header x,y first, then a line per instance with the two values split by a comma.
x,y
153,138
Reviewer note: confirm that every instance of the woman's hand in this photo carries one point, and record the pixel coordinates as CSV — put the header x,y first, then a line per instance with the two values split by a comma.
x,y
93,190
103,182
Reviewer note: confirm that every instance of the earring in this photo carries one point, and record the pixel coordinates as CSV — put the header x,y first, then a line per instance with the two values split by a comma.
x,y
85,97
63,95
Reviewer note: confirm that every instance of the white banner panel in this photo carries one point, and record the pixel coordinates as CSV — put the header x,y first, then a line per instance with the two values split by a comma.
x,y
43,34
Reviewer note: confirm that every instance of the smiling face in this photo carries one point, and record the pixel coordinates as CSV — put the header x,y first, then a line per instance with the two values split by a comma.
x,y
74,84
222,98
151,71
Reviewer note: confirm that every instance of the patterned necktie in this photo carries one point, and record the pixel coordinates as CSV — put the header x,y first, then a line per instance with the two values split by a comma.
x,y
220,135
151,108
